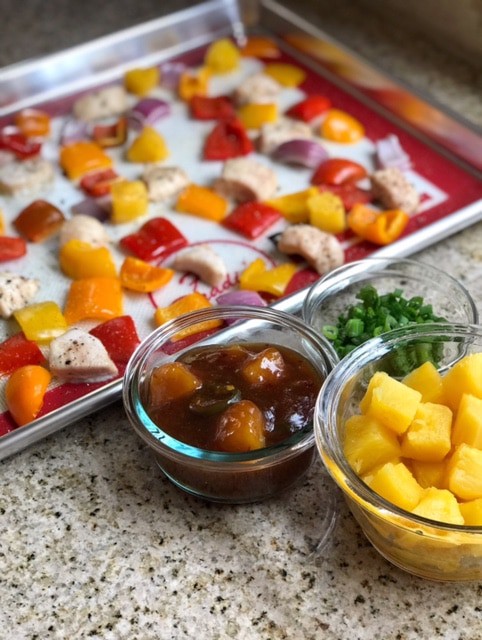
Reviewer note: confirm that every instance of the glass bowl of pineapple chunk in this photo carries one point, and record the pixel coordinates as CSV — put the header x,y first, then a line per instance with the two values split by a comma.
x,y
224,398
398,424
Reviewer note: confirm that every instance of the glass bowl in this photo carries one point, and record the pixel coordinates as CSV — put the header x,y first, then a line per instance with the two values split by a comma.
x,y
421,546
331,296
216,475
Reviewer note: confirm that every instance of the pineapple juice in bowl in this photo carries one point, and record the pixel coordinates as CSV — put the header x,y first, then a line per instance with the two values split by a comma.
x,y
417,497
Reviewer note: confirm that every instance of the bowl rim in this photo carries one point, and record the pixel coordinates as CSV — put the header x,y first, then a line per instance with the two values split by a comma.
x,y
358,269
175,449
329,446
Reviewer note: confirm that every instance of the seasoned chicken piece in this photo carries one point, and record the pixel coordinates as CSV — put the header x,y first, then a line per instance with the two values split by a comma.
x,y
25,176
78,356
84,228
244,179
204,262
258,89
285,129
15,292
392,189
104,103
321,250
164,183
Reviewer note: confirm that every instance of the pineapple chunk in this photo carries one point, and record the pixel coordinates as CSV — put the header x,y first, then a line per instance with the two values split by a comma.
x,y
428,381
464,377
472,512
440,505
468,423
367,443
428,436
395,483
390,402
464,472
429,474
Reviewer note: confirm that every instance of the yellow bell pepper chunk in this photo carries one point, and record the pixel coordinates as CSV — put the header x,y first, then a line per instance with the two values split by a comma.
x,y
286,74
129,201
2,223
222,56
202,202
83,157
294,206
149,146
256,277
79,259
41,322
254,116
194,84
141,81
326,212
179,307
94,299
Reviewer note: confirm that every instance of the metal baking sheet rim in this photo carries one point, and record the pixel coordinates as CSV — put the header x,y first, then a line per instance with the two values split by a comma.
x,y
223,17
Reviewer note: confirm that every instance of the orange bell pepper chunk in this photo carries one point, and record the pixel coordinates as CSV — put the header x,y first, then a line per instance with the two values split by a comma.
x,y
82,157
179,307
25,392
288,75
379,228
80,259
94,299
254,116
260,47
339,126
202,202
194,84
138,275
33,123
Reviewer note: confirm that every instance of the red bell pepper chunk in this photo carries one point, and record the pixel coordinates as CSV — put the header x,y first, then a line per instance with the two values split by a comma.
x,y
156,239
110,135
309,108
227,140
300,280
119,337
251,219
12,248
19,145
99,183
211,108
17,351
338,171
349,194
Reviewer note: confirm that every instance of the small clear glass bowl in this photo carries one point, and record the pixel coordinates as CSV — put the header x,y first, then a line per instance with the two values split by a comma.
x,y
421,546
333,294
214,475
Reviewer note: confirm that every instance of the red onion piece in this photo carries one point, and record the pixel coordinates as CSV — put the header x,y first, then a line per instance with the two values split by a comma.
x,y
73,131
307,153
148,111
389,153
249,298
170,73
98,208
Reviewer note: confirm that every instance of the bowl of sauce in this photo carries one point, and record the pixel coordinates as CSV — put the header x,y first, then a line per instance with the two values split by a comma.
x,y
224,398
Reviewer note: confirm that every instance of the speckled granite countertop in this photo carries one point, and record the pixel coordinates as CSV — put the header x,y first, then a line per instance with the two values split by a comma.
x,y
96,543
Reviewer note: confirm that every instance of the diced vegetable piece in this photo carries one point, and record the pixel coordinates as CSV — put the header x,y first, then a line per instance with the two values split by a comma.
x,y
254,116
94,299
110,135
194,83
440,505
249,298
155,240
429,474
172,381
129,200
472,512
389,153
80,259
97,209
99,183
147,112
211,108
18,144
390,402
227,140
309,108
260,47
303,152
294,206
79,158
428,436
41,322
138,275
380,228
252,219
17,351
427,380
241,428
327,212
33,123
301,279
288,75
464,377
12,248
149,146
468,422
464,472
339,126
349,194
222,56
39,221
256,277
368,444
264,368
202,202
119,337
141,81
338,171
395,483
25,391
179,307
